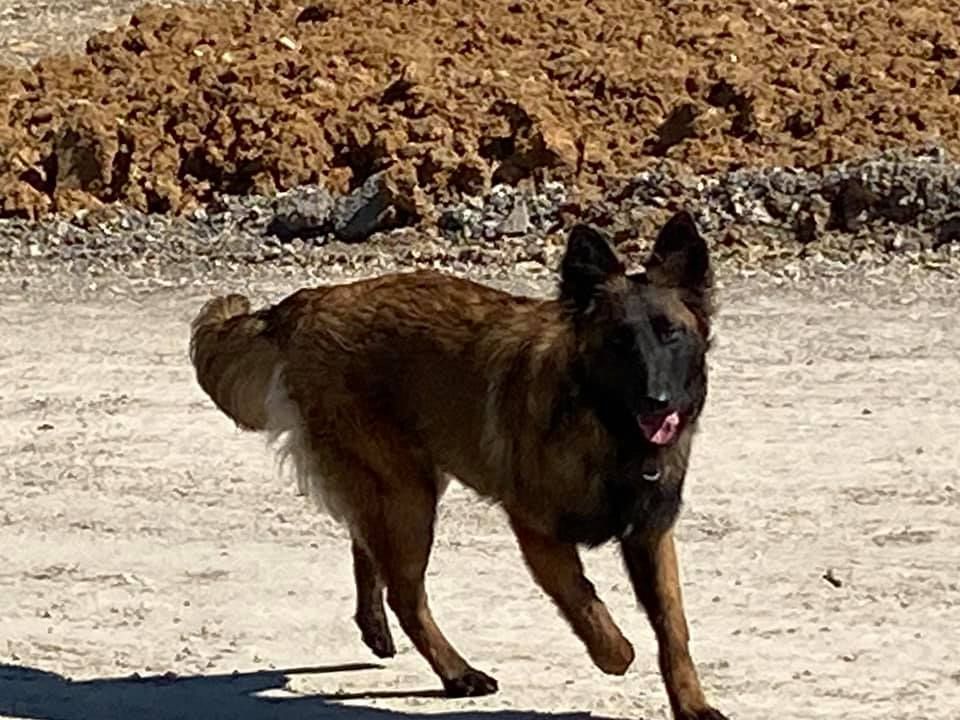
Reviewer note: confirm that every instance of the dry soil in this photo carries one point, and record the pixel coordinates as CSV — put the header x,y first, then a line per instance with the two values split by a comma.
x,y
453,94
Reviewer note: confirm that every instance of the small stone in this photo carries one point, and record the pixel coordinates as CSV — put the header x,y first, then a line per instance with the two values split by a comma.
x,y
376,205
832,579
851,205
949,232
451,221
900,206
907,242
677,127
500,198
315,14
301,214
806,227
518,221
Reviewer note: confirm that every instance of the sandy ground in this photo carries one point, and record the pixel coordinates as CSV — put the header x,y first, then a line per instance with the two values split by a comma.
x,y
140,533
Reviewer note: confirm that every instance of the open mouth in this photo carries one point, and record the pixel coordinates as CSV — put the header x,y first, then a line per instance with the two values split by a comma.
x,y
660,428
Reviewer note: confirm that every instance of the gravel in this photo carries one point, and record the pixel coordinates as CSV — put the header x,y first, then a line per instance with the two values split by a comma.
x,y
898,206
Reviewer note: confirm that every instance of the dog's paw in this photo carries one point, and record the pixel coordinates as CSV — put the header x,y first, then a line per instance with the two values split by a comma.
x,y
472,683
614,658
376,635
707,713
381,644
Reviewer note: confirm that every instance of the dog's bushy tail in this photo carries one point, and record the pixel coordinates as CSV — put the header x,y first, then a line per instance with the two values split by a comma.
x,y
235,363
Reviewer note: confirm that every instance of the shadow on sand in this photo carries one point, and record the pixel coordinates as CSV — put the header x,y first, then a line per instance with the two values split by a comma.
x,y
32,693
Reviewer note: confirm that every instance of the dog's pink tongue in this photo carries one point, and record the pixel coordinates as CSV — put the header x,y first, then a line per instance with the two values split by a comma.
x,y
659,429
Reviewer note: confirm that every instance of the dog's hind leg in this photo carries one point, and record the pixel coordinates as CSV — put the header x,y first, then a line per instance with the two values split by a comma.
x,y
408,525
371,617
557,568
392,517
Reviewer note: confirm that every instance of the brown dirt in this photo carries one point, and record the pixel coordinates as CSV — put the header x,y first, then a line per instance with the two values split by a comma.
x,y
141,533
262,96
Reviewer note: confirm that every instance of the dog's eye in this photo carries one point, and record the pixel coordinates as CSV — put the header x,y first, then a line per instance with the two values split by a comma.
x,y
674,332
665,330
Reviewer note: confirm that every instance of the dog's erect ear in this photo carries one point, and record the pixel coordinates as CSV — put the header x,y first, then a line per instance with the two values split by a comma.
x,y
587,264
680,257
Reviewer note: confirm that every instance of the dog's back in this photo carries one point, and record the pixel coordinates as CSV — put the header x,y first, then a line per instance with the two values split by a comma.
x,y
417,364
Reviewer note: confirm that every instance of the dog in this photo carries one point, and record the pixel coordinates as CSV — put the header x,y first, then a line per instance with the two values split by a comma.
x,y
575,414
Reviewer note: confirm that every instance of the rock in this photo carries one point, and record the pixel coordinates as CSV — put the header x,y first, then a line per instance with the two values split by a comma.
x,y
907,242
949,232
536,141
805,229
811,219
900,206
84,146
304,213
376,205
500,198
489,229
677,127
851,206
96,216
315,14
451,221
518,221
800,125
832,579
726,96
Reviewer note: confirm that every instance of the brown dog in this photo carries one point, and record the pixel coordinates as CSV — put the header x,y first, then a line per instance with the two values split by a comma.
x,y
576,415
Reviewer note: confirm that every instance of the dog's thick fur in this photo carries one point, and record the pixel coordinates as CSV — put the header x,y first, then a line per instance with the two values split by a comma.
x,y
380,389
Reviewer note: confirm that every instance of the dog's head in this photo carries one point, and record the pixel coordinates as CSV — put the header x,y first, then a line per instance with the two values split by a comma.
x,y
642,337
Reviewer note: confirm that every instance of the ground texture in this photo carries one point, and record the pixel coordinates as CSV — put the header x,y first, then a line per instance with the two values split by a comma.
x,y
451,95
143,534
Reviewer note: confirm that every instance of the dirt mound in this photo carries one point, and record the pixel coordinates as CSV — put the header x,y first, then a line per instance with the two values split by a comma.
x,y
451,95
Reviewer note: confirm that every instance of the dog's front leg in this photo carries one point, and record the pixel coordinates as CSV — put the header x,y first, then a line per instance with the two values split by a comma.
x,y
557,569
652,565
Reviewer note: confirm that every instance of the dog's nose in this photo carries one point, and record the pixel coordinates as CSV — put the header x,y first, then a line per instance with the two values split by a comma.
x,y
657,401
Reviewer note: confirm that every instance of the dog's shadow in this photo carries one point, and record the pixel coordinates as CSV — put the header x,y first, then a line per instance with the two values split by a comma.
x,y
27,692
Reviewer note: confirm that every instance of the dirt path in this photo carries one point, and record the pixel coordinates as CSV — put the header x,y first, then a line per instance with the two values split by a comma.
x,y
140,533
